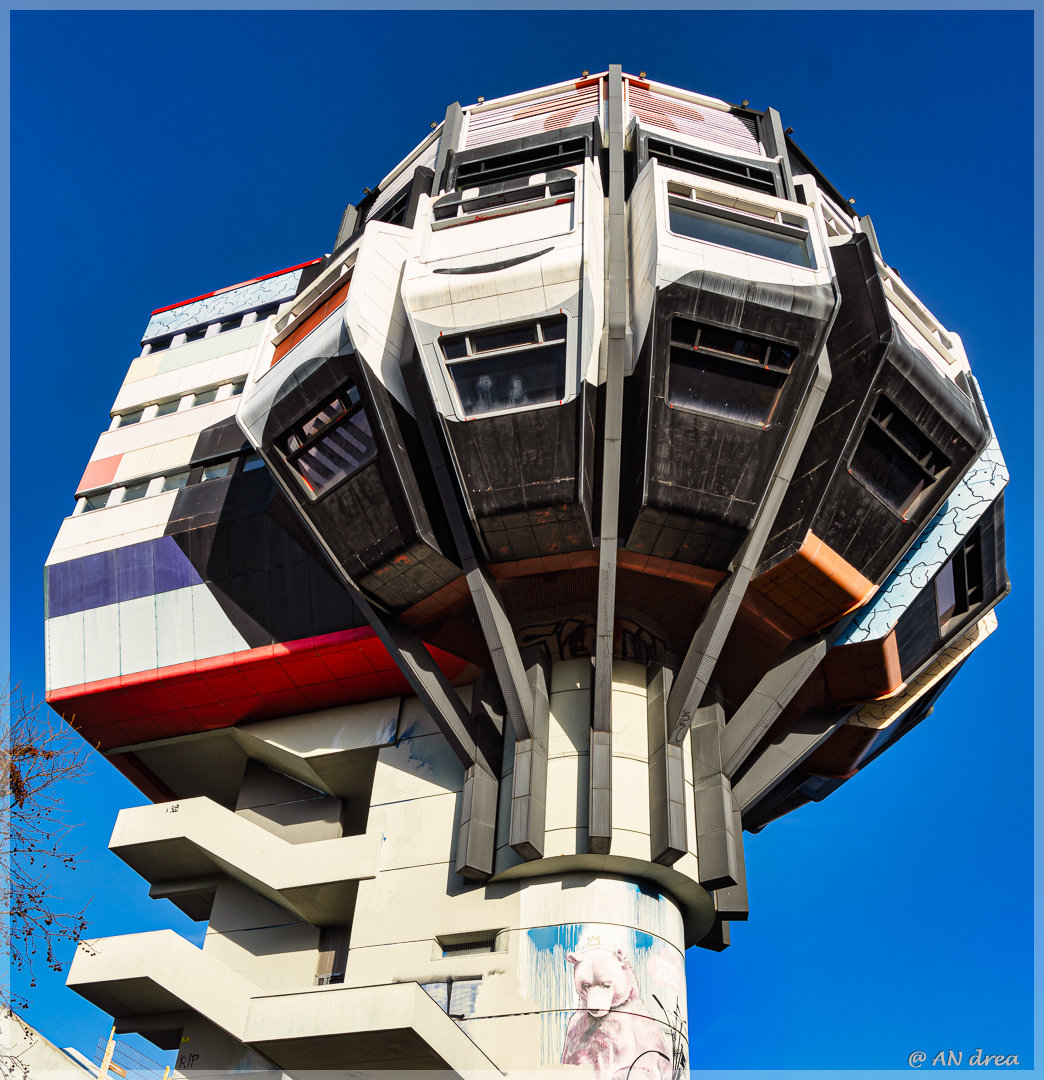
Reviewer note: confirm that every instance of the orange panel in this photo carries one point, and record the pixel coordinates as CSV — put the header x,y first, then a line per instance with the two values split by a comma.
x,y
814,585
303,329
864,671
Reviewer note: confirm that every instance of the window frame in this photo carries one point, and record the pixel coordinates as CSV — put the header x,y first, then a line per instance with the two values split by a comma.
x,y
874,427
716,355
524,201
471,355
755,222
309,442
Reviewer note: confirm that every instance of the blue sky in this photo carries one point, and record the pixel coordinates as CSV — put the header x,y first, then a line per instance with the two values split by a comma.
x,y
157,156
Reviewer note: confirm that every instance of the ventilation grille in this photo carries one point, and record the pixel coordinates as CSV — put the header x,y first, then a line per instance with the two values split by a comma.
x,y
700,121
577,104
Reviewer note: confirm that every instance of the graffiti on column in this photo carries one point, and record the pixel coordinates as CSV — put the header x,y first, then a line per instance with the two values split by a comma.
x,y
610,998
612,1029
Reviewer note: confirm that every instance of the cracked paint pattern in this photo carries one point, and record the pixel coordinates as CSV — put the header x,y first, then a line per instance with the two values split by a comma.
x,y
879,715
973,496
210,308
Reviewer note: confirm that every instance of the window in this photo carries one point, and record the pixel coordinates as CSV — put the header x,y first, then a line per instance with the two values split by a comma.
x,y
332,443
252,462
205,397
508,367
217,470
472,943
197,333
759,176
237,387
128,418
492,166
959,585
135,492
262,313
895,459
175,480
161,343
743,232
230,324
507,197
165,408
725,373
95,502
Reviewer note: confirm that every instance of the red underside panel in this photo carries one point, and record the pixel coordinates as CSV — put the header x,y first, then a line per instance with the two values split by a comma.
x,y
257,684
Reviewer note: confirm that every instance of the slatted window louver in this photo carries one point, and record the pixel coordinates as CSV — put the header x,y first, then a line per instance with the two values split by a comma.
x,y
688,118
397,184
578,104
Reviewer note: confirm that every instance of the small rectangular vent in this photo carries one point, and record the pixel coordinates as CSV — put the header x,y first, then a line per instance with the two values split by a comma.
x,y
473,943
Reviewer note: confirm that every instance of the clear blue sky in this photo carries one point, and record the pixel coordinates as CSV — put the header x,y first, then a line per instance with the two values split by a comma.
x,y
159,156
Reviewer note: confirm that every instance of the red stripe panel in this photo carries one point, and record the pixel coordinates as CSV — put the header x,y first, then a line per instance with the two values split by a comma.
x,y
99,473
256,684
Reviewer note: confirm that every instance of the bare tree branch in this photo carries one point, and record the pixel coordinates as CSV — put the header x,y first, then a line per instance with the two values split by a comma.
x,y
38,753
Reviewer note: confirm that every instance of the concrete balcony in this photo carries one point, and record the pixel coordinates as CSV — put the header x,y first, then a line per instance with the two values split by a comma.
x,y
183,848
159,975
155,981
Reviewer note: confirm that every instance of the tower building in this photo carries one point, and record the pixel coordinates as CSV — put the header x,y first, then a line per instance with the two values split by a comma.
x,y
459,597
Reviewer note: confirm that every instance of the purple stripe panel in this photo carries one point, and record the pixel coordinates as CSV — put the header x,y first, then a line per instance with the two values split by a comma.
x,y
121,574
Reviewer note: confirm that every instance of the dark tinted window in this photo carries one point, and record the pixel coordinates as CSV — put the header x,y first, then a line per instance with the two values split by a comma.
x,y
895,459
511,381
512,367
725,373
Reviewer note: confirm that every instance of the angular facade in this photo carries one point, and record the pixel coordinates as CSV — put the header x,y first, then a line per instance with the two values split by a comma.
x,y
459,598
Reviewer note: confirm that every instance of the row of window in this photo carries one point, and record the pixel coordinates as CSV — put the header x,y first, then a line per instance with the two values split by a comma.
x,y
510,196
156,485
179,404
204,330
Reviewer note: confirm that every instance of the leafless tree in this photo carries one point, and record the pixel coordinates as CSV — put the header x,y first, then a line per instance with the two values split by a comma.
x,y
38,755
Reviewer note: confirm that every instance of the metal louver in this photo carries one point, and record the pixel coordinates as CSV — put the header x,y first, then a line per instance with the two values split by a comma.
x,y
576,104
426,158
688,118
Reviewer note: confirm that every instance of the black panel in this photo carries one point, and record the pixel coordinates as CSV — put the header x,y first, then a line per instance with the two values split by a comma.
x,y
893,437
242,538
718,383
374,519
527,477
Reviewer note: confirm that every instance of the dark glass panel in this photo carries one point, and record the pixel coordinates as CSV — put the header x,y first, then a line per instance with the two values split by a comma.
x,y
504,337
712,229
887,470
709,384
454,348
513,381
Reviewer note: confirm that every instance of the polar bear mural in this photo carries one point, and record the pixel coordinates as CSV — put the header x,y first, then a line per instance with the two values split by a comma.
x,y
611,1029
